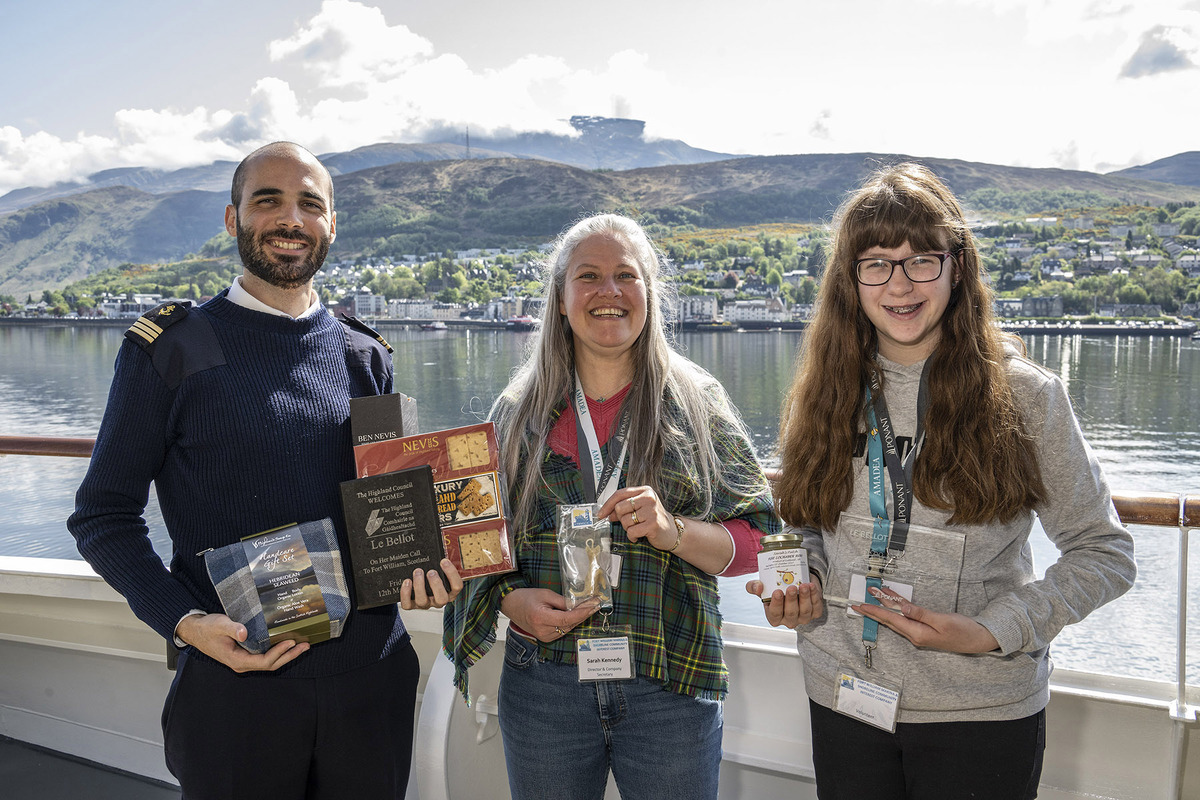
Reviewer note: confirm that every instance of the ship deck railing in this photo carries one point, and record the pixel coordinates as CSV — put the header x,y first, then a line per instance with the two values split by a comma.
x,y
1158,509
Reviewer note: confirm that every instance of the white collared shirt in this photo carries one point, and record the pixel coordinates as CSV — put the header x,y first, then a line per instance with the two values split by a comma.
x,y
239,296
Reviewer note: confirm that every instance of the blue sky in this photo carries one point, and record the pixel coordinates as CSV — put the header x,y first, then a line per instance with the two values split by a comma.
x,y
1079,84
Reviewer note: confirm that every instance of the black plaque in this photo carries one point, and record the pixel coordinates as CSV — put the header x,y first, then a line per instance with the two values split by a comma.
x,y
392,526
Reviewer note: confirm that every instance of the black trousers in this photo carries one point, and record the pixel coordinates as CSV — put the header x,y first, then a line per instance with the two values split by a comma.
x,y
255,735
927,760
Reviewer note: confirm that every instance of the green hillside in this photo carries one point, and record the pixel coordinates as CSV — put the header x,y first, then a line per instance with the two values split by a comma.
x,y
415,208
54,243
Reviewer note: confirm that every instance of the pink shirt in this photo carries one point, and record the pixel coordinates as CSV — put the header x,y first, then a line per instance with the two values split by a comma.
x,y
563,441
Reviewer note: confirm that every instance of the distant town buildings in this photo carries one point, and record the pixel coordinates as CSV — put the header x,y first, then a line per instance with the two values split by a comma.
x,y
758,289
1042,306
410,309
1130,310
697,308
129,306
370,305
765,310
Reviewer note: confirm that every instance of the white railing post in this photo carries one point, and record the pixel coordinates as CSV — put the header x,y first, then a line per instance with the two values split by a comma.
x,y
1180,711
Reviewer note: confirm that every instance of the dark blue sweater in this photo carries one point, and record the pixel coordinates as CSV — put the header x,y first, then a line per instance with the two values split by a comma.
x,y
259,441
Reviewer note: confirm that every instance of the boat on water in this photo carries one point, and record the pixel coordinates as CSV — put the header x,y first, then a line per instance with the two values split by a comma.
x,y
521,322
84,677
436,325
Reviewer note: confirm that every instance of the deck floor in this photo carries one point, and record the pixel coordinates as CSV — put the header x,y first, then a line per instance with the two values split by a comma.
x,y
32,773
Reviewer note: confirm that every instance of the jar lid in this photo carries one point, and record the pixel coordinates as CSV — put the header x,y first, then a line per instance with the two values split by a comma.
x,y
781,538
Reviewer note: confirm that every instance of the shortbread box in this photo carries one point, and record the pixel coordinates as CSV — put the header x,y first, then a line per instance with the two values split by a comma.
x,y
470,490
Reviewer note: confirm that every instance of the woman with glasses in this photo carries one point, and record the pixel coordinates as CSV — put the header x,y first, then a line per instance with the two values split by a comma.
x,y
917,444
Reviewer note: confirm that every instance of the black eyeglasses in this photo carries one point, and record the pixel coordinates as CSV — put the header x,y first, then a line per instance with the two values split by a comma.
x,y
921,268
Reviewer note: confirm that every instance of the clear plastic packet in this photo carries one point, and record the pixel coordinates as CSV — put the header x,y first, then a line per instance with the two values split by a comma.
x,y
584,555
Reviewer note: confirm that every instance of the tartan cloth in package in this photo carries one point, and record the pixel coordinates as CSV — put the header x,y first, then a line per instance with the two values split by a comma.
x,y
229,569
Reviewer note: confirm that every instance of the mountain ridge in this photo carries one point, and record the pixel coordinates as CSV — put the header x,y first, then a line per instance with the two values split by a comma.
x,y
1181,168
420,206
601,143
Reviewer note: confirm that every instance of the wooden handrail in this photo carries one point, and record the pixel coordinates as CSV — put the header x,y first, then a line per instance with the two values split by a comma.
x,y
1157,508
1136,508
46,446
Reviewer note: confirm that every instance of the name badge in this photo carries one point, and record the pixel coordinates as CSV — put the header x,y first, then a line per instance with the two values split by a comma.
x,y
858,591
868,702
604,659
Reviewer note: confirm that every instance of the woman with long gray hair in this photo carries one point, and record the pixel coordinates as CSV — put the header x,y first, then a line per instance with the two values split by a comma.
x,y
604,415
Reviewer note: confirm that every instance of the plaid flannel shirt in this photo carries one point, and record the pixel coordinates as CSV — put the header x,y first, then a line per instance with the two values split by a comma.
x,y
670,605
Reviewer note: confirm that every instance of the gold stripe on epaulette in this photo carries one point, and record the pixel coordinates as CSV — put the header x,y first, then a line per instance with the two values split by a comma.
x,y
146,329
384,342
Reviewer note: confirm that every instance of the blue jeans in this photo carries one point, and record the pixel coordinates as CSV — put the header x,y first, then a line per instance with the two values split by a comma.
x,y
561,736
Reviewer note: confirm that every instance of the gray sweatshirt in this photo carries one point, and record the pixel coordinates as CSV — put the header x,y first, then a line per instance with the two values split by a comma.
x,y
982,571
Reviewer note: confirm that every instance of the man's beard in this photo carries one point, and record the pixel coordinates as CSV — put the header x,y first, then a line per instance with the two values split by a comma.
x,y
285,272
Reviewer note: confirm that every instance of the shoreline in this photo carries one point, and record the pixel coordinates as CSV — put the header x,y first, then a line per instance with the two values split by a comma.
x,y
1067,328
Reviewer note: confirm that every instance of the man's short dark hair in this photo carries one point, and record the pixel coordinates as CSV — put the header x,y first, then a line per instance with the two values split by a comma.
x,y
274,148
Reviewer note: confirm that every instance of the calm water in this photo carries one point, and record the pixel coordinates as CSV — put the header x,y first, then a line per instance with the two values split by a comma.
x,y
1134,397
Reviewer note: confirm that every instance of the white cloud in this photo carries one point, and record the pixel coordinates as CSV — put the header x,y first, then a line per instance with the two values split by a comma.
x,y
1067,157
349,45
820,126
1098,23
1161,49
42,159
347,79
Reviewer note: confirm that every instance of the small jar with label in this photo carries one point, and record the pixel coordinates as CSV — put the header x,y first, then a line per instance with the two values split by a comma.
x,y
782,562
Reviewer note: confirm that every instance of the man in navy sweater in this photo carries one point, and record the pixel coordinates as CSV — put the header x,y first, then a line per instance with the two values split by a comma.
x,y
238,412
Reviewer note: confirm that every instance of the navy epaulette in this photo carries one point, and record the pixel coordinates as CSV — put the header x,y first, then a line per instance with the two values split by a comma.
x,y
186,349
149,326
357,324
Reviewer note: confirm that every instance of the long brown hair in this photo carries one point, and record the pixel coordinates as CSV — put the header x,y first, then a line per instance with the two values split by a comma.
x,y
977,460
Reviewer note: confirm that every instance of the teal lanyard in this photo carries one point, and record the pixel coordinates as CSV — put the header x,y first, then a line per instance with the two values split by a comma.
x,y
888,538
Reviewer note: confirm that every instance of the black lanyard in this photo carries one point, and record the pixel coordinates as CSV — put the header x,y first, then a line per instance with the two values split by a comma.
x,y
900,471
888,539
